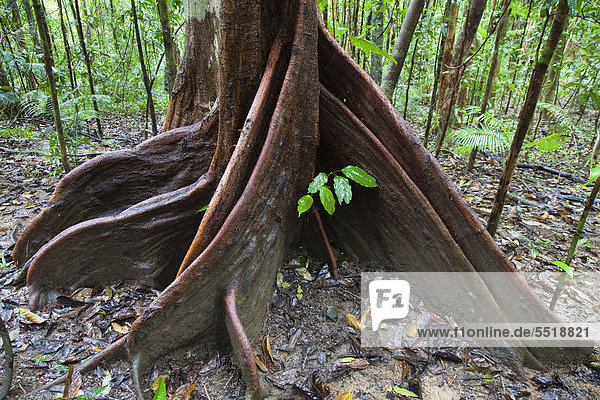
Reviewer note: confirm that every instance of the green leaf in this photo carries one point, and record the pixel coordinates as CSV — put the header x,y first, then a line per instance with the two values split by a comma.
x,y
317,183
572,6
369,47
304,203
359,176
594,174
342,188
404,392
202,209
549,143
42,358
327,199
161,392
566,267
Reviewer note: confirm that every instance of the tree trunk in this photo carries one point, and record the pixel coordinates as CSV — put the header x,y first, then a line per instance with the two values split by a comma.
x,y
377,39
40,16
31,23
170,53
527,112
447,56
390,79
438,67
138,40
195,87
72,76
312,107
88,64
494,67
463,45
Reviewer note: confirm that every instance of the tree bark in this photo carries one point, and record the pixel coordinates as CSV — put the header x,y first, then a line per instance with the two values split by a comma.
x,y
31,23
195,87
138,40
40,16
438,67
390,79
170,50
377,39
527,112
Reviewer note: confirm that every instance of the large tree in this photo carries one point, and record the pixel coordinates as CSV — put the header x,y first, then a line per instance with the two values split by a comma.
x,y
290,101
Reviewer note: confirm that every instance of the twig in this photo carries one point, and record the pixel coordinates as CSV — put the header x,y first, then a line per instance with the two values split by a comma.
x,y
333,268
8,360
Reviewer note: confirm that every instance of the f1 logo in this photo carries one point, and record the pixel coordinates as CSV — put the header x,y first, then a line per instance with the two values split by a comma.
x,y
389,300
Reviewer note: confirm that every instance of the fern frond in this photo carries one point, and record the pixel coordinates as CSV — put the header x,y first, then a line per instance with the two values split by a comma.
x,y
486,137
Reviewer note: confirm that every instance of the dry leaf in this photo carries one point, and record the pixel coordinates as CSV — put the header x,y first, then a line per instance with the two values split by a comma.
x,y
29,316
183,392
73,383
344,396
411,331
358,363
82,294
354,322
262,362
154,385
299,293
266,347
363,318
303,272
120,328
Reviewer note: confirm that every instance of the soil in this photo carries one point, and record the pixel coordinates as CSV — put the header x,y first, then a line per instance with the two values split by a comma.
x,y
315,351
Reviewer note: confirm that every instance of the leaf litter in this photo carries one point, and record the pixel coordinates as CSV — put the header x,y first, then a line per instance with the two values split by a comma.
x,y
310,343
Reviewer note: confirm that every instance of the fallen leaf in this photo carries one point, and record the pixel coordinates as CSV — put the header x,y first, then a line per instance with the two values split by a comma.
x,y
303,272
299,293
120,328
411,331
358,363
403,392
156,384
354,322
262,362
266,347
183,392
344,396
29,316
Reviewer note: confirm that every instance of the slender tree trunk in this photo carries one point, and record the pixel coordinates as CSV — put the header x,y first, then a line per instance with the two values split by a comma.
x,y
494,66
390,79
63,29
88,65
447,56
31,23
144,72
463,45
377,39
527,112
553,78
438,67
170,56
40,15
410,75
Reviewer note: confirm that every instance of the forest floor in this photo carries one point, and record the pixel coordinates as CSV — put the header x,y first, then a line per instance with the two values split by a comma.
x,y
306,323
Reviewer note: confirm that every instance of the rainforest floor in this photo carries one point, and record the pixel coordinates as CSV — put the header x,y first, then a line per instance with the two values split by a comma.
x,y
306,324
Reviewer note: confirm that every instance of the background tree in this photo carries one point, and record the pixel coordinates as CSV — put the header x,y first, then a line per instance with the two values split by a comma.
x,y
390,79
527,112
40,16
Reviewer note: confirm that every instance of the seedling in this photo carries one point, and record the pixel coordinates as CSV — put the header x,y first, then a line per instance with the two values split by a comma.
x,y
341,187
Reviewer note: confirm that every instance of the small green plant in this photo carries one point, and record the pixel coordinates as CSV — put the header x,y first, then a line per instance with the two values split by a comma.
x,y
3,262
341,187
